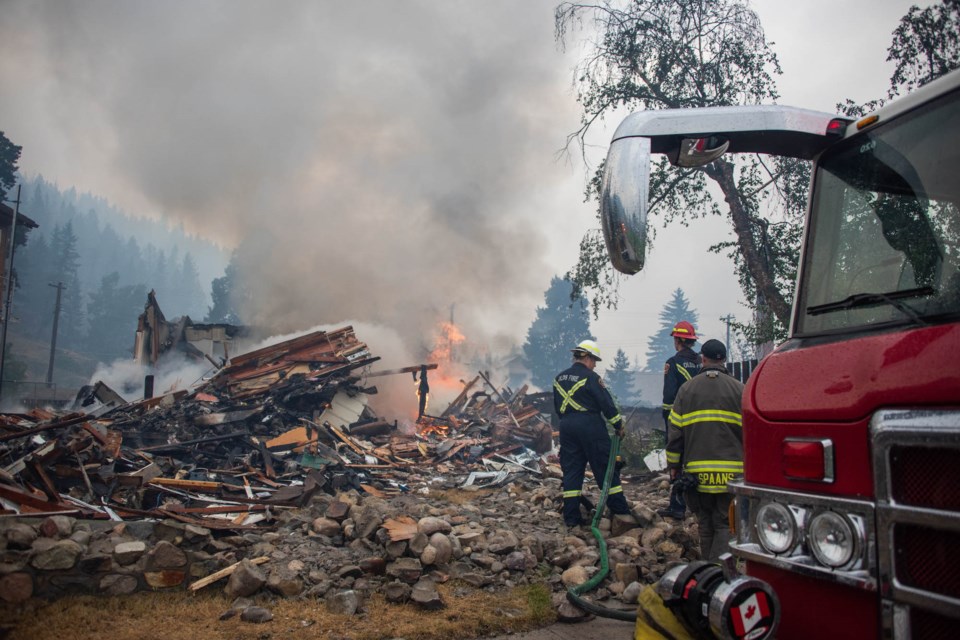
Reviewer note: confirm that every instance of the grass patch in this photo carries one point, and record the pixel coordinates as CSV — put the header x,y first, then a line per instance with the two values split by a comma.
x,y
183,616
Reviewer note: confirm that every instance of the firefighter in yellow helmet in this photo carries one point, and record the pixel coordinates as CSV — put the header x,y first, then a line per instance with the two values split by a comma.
x,y
585,408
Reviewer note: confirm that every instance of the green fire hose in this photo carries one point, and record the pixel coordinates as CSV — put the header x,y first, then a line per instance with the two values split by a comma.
x,y
574,593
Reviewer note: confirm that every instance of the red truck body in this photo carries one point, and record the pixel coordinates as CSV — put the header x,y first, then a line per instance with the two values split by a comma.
x,y
849,507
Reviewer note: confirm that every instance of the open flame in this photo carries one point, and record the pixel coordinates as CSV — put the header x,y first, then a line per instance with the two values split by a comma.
x,y
445,379
448,339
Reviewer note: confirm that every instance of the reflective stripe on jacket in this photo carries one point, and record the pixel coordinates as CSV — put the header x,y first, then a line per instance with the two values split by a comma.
x,y
706,433
578,390
676,371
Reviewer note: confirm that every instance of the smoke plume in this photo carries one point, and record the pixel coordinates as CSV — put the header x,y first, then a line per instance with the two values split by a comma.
x,y
374,160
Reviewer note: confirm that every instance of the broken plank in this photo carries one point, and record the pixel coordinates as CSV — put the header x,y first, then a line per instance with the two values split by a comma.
x,y
223,573
346,439
30,501
212,510
267,460
186,443
177,483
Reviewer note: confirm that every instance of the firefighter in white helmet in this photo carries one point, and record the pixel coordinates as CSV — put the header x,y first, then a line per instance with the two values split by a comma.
x,y
585,408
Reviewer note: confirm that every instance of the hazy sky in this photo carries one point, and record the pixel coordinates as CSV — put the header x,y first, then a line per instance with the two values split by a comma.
x,y
381,161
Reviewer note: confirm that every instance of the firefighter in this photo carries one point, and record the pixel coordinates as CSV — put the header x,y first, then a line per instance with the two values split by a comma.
x,y
706,445
585,408
677,370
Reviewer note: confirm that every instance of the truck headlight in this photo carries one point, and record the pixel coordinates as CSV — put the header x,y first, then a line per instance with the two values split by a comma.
x,y
776,528
831,539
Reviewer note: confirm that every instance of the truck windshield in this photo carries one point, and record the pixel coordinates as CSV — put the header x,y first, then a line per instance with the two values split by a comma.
x,y
884,237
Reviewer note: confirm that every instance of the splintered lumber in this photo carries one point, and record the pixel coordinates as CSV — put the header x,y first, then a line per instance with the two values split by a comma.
x,y
368,429
372,490
223,573
497,391
402,528
460,398
187,443
65,422
346,440
179,483
31,503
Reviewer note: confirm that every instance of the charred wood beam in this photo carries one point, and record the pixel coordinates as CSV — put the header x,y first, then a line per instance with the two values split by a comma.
x,y
497,391
173,446
56,425
413,369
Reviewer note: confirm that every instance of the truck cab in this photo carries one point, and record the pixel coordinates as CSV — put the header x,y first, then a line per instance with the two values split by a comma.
x,y
849,507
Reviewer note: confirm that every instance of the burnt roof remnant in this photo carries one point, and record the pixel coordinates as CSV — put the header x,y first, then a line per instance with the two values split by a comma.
x,y
157,337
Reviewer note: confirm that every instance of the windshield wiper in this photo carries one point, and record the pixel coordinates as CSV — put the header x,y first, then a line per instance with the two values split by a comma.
x,y
893,298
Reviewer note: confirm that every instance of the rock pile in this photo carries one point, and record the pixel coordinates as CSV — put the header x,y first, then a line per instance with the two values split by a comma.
x,y
342,549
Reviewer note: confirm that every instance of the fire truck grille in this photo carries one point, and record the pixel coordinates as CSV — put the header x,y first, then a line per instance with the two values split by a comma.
x,y
916,464
926,625
925,477
926,559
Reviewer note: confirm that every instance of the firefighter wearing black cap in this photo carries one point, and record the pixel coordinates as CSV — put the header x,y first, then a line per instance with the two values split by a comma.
x,y
585,408
706,443
679,368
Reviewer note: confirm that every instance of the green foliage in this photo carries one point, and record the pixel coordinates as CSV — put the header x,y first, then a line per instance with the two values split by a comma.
x,y
9,157
635,446
660,344
539,602
619,380
223,292
66,269
560,325
112,312
652,54
925,46
14,370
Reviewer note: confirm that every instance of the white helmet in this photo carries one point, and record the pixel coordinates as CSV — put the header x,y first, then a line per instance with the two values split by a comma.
x,y
590,348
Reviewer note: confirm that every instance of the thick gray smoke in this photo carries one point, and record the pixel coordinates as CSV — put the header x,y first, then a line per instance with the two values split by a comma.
x,y
377,160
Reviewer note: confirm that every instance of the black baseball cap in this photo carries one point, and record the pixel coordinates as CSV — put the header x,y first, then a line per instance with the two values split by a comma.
x,y
713,349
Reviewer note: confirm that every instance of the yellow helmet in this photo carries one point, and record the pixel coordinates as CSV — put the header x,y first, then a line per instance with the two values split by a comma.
x,y
588,347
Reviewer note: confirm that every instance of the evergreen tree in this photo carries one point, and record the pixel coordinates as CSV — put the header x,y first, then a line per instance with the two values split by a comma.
x,y
66,264
32,304
224,291
14,369
619,379
660,344
559,326
9,156
113,311
193,300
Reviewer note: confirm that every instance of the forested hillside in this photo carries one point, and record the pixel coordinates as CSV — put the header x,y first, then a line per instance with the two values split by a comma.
x,y
107,260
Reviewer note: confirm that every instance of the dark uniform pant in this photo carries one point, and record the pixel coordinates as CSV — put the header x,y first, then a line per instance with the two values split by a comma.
x,y
677,504
584,440
713,520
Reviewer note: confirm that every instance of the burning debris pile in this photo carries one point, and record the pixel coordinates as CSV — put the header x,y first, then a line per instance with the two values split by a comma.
x,y
278,460
271,428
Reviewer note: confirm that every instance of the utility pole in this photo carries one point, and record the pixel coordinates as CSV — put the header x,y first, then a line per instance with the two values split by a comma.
x,y
9,288
728,319
53,338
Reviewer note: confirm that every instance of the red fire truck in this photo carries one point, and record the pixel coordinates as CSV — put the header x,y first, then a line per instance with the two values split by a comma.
x,y
849,508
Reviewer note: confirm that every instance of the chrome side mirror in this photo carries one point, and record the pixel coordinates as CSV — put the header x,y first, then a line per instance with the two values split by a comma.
x,y
623,203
